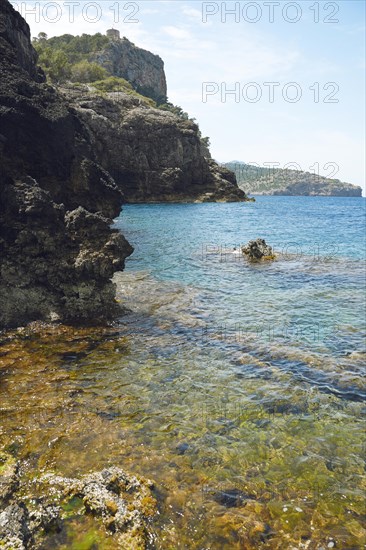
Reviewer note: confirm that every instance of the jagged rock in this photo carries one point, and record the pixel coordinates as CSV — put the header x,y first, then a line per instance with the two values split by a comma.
x,y
143,69
122,501
258,250
14,531
19,525
8,476
44,516
15,43
153,155
57,251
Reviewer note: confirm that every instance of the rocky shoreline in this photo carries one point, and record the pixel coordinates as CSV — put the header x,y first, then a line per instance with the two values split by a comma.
x,y
38,511
64,179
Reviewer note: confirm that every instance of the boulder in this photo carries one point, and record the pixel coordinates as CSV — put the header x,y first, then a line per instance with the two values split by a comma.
x,y
258,250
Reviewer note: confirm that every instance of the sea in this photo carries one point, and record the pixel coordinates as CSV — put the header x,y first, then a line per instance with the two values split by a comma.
x,y
236,386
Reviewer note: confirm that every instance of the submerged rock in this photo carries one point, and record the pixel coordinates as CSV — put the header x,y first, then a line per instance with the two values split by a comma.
x,y
182,448
258,250
231,498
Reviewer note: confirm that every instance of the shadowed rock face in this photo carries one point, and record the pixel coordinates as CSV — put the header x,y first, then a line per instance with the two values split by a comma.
x,y
153,155
57,251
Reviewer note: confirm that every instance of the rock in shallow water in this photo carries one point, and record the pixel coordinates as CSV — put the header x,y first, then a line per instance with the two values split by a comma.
x,y
14,531
8,476
231,498
123,502
257,250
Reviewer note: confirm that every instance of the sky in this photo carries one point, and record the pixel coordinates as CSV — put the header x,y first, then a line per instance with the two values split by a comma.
x,y
295,70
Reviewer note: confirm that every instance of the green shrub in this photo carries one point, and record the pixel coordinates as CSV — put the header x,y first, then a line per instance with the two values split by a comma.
x,y
84,72
116,84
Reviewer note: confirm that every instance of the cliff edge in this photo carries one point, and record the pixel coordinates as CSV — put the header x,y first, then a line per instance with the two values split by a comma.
x,y
57,251
153,155
143,69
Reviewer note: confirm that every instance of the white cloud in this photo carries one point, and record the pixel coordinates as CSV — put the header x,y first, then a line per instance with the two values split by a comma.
x,y
177,32
192,12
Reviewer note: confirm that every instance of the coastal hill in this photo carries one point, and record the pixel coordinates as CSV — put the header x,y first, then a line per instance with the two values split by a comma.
x,y
152,148
58,196
143,69
258,180
88,58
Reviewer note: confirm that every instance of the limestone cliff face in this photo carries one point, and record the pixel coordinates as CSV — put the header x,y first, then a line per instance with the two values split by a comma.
x,y
144,70
152,154
57,251
15,41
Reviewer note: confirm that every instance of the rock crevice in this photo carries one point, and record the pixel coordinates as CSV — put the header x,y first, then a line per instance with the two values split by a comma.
x,y
57,251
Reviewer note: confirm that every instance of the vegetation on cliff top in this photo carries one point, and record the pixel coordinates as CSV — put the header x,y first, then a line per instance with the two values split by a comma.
x,y
66,60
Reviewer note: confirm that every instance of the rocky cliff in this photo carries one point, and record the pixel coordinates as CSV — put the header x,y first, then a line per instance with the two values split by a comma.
x,y
153,155
276,181
143,69
57,251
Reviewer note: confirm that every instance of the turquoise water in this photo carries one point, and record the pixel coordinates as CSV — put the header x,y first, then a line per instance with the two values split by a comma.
x,y
258,369
312,298
237,387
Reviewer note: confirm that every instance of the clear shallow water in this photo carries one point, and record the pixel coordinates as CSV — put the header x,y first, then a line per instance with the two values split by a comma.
x,y
226,378
312,296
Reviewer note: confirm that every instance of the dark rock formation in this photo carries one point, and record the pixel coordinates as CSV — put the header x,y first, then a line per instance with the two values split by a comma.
x,y
231,498
143,69
258,250
153,155
57,251
57,193
15,46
